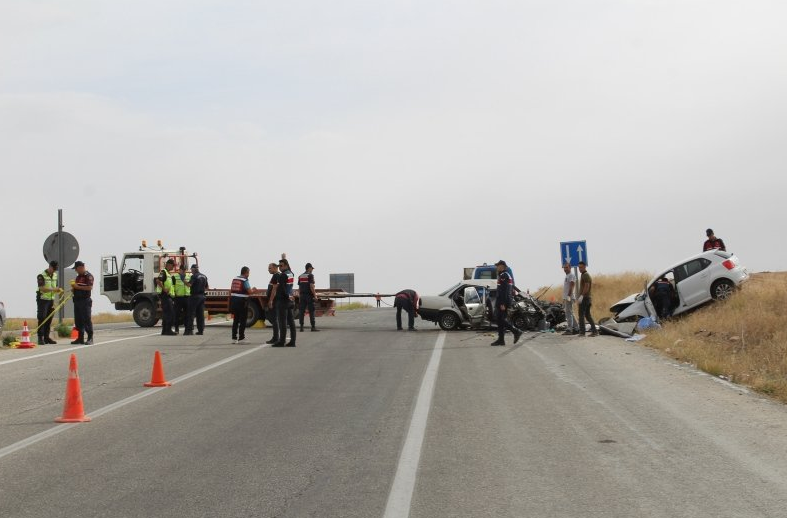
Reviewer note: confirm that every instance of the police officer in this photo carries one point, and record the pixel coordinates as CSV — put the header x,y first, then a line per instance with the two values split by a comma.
x,y
713,242
166,289
282,298
45,297
240,289
406,300
182,293
505,288
83,304
197,283
270,310
663,292
307,295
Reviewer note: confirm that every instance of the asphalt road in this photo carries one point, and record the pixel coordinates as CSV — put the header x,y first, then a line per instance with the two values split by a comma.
x,y
363,421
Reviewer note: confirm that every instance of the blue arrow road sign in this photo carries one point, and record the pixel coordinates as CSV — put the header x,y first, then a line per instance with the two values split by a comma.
x,y
572,252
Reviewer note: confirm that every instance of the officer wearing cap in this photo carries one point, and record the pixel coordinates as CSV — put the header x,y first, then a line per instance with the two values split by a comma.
x,y
505,297
281,296
45,301
197,283
713,242
307,295
166,290
182,292
83,304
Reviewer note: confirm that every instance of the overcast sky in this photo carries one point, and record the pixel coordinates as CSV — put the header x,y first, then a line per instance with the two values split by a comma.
x,y
401,141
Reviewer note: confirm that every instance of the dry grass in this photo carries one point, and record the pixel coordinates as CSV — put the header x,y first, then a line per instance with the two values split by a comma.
x,y
743,340
607,289
15,324
350,306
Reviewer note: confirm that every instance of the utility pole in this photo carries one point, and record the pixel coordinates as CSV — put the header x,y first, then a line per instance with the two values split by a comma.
x,y
60,265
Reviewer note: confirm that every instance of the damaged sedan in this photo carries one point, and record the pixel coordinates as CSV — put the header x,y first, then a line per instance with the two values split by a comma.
x,y
470,305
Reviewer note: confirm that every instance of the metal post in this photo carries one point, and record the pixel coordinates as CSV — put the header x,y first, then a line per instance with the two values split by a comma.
x,y
576,284
60,256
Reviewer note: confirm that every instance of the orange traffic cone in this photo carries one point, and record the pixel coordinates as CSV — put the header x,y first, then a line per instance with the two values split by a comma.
x,y
73,409
157,378
24,342
74,333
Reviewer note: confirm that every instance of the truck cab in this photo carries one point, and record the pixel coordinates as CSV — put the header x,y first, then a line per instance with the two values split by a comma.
x,y
484,271
132,286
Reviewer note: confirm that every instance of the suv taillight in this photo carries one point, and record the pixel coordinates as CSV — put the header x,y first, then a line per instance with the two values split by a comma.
x,y
728,264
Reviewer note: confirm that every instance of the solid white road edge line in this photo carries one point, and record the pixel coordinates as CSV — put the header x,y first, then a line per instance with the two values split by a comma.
x,y
67,349
24,443
401,495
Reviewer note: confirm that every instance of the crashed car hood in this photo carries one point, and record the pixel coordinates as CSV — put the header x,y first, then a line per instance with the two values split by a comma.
x,y
627,301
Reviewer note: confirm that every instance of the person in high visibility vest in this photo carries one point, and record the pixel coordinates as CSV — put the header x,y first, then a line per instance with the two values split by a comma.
x,y
182,292
166,290
45,301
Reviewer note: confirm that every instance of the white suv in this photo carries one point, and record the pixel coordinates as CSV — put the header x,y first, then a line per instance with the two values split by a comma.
x,y
699,279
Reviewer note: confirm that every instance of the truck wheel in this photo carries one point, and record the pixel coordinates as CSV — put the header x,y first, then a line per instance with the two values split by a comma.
x,y
722,289
448,320
145,314
253,313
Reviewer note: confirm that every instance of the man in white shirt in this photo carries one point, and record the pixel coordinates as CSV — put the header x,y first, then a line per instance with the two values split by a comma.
x,y
568,300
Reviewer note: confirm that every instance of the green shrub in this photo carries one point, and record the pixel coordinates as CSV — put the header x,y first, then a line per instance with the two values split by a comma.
x,y
63,330
9,339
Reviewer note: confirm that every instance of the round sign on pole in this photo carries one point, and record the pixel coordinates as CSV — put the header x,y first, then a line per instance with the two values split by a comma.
x,y
70,249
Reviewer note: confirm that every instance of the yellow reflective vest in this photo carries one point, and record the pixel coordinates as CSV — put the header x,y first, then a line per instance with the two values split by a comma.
x,y
50,283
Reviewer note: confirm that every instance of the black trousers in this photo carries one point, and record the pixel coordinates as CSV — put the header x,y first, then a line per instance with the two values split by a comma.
x,y
584,313
238,307
196,309
83,319
181,311
167,313
273,318
404,304
307,301
663,303
503,323
285,318
44,308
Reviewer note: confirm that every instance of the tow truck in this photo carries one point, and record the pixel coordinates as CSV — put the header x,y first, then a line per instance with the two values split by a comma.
x,y
132,287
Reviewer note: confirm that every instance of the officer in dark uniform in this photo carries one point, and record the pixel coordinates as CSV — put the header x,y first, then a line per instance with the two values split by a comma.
x,y
505,287
83,304
240,289
663,294
406,300
307,295
282,295
166,290
270,311
713,242
45,301
197,284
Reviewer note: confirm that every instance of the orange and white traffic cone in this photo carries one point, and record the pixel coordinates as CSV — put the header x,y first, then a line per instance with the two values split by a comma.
x,y
24,341
73,409
157,378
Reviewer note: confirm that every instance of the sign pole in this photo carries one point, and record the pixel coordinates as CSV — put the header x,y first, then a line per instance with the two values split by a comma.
x,y
60,256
